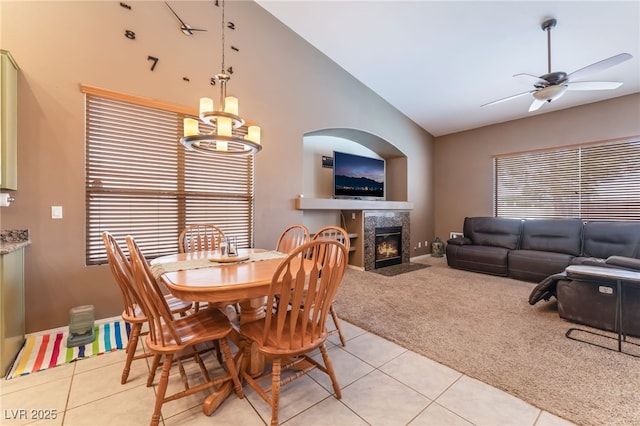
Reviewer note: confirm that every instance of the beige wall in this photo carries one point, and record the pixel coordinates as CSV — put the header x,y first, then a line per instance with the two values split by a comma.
x,y
283,84
463,163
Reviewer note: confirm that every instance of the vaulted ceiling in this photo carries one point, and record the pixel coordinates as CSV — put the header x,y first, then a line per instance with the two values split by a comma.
x,y
439,61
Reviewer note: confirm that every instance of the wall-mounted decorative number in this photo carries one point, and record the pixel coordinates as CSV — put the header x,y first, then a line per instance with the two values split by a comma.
x,y
155,61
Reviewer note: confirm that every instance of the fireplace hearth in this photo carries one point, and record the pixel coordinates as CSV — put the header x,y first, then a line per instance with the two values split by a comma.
x,y
388,246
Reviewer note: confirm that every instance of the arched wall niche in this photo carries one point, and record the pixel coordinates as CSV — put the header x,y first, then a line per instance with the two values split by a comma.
x,y
318,180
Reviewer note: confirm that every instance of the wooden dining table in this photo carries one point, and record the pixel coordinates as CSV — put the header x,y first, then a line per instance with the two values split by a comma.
x,y
206,276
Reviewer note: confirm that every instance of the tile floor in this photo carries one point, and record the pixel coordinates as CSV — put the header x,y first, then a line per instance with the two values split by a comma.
x,y
382,384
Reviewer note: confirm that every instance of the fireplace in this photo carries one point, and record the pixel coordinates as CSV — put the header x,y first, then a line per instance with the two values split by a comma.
x,y
388,246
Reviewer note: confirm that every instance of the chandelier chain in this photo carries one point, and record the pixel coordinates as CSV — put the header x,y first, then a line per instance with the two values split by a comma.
x,y
222,28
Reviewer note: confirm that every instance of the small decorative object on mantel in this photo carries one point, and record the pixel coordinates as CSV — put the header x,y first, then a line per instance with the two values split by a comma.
x,y
437,248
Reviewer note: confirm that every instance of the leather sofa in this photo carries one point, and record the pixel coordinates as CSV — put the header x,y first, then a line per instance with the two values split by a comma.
x,y
539,250
527,250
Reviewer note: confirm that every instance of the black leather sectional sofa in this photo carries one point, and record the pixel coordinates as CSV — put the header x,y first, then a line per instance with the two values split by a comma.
x,y
539,250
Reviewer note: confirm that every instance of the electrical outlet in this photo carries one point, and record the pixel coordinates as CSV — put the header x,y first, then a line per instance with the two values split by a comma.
x,y
419,244
426,243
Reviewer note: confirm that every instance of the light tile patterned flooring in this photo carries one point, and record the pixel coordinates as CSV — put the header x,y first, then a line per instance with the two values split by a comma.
x,y
382,384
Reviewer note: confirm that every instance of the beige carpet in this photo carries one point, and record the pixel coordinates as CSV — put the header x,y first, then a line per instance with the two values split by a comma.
x,y
484,327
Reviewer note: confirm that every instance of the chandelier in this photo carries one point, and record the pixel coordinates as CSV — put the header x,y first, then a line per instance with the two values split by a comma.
x,y
230,135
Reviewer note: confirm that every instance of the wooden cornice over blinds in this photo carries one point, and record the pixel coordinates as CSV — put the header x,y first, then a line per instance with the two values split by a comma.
x,y
140,181
592,182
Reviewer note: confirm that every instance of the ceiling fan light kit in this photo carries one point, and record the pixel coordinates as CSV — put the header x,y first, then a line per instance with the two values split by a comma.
x,y
549,93
552,85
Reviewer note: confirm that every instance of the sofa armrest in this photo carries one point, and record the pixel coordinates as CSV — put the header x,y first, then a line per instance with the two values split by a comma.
x,y
459,241
624,262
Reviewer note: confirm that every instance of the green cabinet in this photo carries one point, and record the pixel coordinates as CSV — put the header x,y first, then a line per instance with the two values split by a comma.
x,y
12,310
8,121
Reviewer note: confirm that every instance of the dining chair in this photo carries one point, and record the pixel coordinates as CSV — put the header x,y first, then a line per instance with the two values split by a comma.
x,y
122,272
170,337
287,335
341,235
204,236
292,237
199,237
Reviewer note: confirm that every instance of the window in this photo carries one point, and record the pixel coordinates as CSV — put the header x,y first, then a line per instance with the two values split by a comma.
x,y
140,181
592,182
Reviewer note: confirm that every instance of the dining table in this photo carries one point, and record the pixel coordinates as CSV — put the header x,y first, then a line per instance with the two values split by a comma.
x,y
209,276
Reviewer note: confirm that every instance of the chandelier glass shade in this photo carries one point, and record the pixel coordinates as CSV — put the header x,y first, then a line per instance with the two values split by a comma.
x,y
230,135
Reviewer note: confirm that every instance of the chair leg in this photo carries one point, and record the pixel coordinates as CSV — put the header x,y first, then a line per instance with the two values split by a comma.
x,y
162,389
330,372
152,371
275,391
132,345
336,322
231,366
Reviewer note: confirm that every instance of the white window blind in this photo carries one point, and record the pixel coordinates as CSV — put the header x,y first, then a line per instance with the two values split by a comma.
x,y
140,181
592,182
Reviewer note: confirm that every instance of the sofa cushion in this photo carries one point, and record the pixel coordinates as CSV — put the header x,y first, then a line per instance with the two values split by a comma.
x,y
552,235
493,231
534,266
604,239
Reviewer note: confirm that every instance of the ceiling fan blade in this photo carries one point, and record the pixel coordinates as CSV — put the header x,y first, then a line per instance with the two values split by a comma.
x,y
600,66
594,85
508,98
536,104
533,78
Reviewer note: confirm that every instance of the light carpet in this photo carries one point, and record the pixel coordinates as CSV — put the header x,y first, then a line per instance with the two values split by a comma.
x,y
42,351
484,327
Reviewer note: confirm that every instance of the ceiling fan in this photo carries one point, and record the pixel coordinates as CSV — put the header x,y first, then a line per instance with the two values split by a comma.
x,y
551,86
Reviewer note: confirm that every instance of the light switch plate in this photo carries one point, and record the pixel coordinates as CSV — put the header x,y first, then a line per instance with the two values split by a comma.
x,y
56,212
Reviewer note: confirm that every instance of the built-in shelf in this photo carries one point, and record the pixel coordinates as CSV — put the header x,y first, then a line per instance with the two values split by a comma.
x,y
345,204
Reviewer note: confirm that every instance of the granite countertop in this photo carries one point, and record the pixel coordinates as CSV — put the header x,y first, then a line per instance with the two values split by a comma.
x,y
13,239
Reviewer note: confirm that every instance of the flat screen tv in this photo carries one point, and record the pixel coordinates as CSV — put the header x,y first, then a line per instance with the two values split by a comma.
x,y
358,177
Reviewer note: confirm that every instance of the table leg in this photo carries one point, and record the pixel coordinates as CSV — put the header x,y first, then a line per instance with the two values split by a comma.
x,y
214,400
252,310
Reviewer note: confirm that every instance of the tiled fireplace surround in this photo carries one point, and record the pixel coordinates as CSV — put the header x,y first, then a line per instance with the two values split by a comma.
x,y
381,219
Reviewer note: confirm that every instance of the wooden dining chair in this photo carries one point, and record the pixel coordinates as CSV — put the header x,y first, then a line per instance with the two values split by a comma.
x,y
199,237
122,272
170,337
341,235
296,327
292,237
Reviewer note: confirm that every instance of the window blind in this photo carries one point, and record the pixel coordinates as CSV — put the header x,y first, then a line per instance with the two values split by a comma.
x,y
592,182
140,181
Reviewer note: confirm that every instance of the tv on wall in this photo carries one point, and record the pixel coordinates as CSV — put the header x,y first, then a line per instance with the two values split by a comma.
x,y
358,177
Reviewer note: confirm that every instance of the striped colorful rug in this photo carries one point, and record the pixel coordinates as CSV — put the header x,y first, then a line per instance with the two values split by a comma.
x,y
50,350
